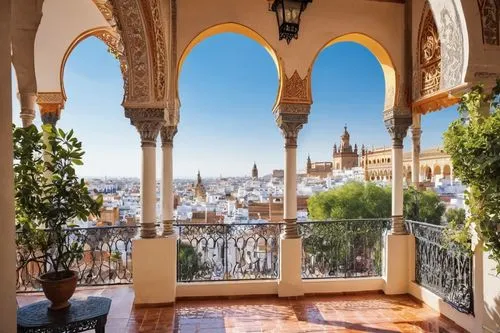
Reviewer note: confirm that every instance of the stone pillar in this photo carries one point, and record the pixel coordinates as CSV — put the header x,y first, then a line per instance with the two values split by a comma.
x,y
416,132
396,273
290,119
397,123
167,138
7,226
148,122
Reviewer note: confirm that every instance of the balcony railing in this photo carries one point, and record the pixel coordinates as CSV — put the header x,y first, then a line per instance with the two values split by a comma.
x,y
444,270
214,252
343,248
107,258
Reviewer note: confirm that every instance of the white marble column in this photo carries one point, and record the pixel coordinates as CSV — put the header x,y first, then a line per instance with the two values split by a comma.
x,y
290,119
148,122
167,138
416,132
397,122
7,226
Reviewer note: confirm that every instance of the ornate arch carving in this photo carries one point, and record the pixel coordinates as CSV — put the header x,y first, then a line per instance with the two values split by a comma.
x,y
429,54
490,19
140,24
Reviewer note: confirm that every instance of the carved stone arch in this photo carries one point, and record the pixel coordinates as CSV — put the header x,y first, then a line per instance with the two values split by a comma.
x,y
490,18
429,54
140,24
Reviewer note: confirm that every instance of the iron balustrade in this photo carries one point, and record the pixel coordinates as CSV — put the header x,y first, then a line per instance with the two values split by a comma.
x,y
215,252
444,269
107,258
343,248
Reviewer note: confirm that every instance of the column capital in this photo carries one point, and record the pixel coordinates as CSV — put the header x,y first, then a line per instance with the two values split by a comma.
x,y
397,121
290,118
51,105
167,134
148,122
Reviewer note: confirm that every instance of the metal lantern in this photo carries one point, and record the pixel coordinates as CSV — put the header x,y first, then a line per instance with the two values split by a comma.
x,y
288,15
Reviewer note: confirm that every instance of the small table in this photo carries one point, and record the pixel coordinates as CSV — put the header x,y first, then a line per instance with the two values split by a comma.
x,y
82,315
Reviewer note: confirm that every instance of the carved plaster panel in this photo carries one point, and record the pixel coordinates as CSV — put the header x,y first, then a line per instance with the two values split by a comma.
x,y
429,54
156,36
296,89
130,23
489,10
449,26
106,10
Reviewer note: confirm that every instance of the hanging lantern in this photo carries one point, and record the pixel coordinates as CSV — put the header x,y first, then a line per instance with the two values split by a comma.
x,y
288,16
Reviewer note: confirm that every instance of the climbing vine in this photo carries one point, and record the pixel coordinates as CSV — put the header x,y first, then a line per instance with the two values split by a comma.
x,y
473,141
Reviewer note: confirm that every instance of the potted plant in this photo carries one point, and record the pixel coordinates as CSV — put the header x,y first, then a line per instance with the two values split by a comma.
x,y
49,196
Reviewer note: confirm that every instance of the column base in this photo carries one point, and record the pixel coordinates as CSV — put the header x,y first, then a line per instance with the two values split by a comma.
x,y
168,228
290,282
154,268
148,230
398,225
396,275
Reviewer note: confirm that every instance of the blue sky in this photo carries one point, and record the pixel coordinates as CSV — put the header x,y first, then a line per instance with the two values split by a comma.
x,y
227,88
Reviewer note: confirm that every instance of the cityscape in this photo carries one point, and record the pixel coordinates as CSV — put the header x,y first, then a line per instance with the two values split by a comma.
x,y
258,198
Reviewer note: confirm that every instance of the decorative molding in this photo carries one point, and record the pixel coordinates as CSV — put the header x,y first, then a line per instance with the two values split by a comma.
x,y
167,134
51,98
296,89
435,102
490,10
429,54
148,122
106,10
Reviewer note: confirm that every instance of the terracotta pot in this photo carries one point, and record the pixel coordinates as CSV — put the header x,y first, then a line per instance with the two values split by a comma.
x,y
58,290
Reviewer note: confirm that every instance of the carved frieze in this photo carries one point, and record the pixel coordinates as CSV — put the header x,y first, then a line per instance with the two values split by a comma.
x,y
296,89
429,54
489,10
148,122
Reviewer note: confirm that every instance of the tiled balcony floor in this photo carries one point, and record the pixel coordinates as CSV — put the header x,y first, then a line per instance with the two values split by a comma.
x,y
372,312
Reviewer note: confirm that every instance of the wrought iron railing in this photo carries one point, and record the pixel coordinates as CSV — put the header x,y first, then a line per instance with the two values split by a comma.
x,y
214,252
343,248
446,270
107,258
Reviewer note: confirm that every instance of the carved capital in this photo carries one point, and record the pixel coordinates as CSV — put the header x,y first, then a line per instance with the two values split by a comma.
x,y
148,122
290,121
397,120
167,135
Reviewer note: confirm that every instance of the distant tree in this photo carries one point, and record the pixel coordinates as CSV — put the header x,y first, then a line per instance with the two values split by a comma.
x,y
353,200
423,206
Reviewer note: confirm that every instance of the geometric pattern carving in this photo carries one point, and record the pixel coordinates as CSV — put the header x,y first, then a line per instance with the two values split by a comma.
x,y
429,55
489,10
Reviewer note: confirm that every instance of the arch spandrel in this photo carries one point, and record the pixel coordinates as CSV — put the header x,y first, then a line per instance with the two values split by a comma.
x,y
62,22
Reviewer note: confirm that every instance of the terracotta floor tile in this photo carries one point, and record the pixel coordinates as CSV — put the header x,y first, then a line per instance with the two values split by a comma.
x,y
373,313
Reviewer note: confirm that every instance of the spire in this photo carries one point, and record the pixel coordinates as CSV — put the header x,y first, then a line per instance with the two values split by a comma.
x,y
255,171
309,164
198,180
